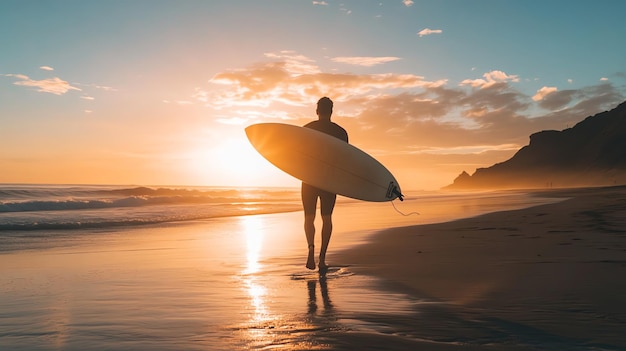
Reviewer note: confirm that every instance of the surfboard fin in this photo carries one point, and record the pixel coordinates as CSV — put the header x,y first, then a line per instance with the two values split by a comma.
x,y
393,190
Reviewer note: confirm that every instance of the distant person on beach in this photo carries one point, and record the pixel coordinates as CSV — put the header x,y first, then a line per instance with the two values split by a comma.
x,y
310,194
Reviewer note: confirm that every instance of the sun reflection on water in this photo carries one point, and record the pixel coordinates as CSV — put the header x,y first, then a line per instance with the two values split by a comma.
x,y
254,232
260,316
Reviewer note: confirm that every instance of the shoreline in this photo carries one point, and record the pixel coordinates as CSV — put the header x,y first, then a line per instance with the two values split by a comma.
x,y
550,274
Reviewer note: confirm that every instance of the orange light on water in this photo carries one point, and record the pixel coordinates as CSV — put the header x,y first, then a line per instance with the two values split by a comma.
x,y
253,235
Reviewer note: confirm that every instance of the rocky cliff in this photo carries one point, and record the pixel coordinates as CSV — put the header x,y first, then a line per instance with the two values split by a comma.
x,y
592,153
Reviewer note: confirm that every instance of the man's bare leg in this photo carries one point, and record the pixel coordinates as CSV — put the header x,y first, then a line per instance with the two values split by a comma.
x,y
327,230
309,231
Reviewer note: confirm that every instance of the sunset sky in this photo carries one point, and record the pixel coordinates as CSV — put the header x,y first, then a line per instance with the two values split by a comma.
x,y
159,92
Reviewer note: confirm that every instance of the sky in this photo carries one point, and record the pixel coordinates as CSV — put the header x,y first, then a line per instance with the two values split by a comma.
x,y
156,92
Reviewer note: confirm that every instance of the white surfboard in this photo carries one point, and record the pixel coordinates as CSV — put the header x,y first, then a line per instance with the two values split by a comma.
x,y
324,161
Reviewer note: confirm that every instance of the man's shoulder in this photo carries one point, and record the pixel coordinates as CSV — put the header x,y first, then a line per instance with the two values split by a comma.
x,y
310,124
324,125
341,132
331,128
339,127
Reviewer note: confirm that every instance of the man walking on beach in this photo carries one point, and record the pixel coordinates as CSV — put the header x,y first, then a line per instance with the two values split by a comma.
x,y
310,194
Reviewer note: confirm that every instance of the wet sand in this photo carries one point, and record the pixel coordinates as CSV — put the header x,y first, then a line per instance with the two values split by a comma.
x,y
549,277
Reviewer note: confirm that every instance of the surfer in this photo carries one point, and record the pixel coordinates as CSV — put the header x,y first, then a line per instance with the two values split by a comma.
x,y
310,194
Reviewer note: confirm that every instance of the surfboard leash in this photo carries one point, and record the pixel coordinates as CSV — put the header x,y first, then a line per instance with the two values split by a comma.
x,y
402,213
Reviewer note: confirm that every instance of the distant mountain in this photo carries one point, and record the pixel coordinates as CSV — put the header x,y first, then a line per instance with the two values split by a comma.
x,y
592,153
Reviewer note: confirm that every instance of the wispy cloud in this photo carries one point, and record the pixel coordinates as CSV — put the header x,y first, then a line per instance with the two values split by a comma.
x,y
543,92
365,61
551,98
408,3
466,149
96,86
53,85
46,68
428,31
294,63
323,3
295,80
490,78
178,102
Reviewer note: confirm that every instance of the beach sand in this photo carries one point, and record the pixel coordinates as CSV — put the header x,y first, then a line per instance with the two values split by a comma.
x,y
549,277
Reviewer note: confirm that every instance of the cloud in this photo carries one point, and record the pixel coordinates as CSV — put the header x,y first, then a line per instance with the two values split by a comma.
x,y
490,78
604,79
365,61
96,86
466,149
323,3
406,113
53,85
295,80
294,62
428,31
46,68
408,3
543,92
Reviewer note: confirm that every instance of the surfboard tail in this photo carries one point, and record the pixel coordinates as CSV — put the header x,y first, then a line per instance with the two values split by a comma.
x,y
393,191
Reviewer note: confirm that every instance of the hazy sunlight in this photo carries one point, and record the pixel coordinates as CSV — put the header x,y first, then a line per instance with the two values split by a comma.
x,y
234,162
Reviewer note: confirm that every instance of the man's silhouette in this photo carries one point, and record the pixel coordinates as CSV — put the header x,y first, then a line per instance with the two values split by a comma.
x,y
310,194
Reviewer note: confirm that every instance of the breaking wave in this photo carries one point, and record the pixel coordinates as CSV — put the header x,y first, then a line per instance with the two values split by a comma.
x,y
56,207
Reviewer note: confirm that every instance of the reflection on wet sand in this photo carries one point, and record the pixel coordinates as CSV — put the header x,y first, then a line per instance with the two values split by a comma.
x,y
287,307
312,303
322,320
260,315
254,233
265,327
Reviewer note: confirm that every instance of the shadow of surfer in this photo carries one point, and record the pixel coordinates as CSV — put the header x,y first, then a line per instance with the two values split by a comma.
x,y
310,194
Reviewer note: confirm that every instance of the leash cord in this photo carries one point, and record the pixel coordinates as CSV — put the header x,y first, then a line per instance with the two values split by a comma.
x,y
402,213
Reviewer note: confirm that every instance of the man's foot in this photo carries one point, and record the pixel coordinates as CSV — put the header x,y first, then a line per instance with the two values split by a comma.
x,y
322,265
310,262
323,268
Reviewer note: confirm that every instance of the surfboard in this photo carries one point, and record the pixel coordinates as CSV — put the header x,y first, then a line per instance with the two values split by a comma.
x,y
324,161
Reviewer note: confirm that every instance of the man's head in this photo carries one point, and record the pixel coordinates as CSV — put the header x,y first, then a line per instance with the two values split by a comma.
x,y
324,108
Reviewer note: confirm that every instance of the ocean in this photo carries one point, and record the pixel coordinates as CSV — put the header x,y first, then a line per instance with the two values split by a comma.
x,y
35,207
44,207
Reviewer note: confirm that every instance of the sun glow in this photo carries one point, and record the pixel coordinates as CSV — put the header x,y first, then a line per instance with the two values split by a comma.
x,y
235,162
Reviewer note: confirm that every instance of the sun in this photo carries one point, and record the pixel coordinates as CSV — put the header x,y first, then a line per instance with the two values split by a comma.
x,y
234,162
239,159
